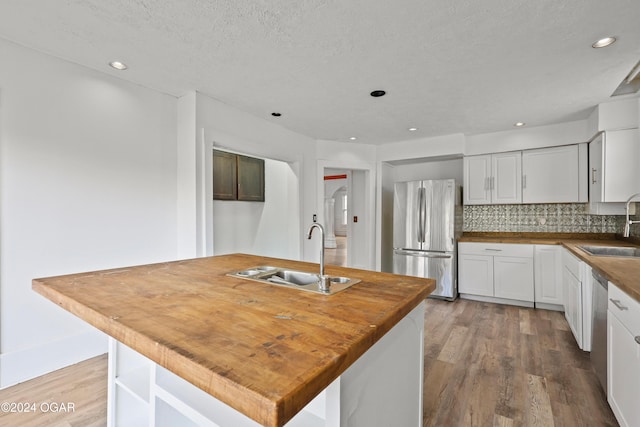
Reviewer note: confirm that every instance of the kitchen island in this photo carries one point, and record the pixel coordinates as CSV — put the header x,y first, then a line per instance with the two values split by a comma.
x,y
195,346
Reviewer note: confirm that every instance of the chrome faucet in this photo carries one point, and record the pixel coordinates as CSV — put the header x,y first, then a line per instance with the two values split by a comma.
x,y
324,279
628,222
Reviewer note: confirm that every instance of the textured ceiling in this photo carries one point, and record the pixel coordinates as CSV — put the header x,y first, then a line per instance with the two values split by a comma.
x,y
448,66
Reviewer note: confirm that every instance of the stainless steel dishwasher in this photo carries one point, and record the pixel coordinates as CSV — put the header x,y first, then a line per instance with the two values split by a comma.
x,y
599,331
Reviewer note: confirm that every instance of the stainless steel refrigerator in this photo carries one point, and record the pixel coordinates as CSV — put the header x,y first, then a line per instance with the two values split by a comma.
x,y
427,221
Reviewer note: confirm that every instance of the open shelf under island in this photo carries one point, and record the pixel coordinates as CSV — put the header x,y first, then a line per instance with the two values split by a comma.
x,y
190,345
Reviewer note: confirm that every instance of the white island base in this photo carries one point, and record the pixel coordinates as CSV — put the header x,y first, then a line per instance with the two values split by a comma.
x,y
382,388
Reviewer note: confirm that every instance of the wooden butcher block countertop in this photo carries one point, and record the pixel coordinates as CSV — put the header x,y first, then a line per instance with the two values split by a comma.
x,y
264,350
624,272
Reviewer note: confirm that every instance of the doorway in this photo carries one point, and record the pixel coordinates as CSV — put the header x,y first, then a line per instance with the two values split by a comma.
x,y
358,239
336,206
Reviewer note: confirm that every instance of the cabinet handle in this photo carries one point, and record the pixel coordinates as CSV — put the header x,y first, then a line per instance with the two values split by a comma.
x,y
618,304
638,339
593,175
493,250
493,180
524,181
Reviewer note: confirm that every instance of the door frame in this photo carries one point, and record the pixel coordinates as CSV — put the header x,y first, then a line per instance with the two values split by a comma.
x,y
370,206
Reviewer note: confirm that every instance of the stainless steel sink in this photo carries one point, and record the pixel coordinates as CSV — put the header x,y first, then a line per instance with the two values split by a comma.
x,y
293,279
614,251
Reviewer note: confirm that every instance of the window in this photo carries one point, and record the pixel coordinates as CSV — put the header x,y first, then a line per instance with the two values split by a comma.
x,y
344,209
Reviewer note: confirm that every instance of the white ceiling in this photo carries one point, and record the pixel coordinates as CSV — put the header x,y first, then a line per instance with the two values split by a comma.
x,y
448,66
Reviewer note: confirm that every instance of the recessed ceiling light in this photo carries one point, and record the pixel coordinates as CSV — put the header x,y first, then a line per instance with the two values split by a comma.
x,y
121,66
413,129
607,41
519,124
353,138
378,93
276,114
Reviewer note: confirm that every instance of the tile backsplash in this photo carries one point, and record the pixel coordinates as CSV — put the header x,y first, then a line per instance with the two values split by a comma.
x,y
560,218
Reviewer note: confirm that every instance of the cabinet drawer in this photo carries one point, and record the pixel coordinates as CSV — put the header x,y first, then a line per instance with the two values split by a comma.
x,y
497,249
625,308
571,263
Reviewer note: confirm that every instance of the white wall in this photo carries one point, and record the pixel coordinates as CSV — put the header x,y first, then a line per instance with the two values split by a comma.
x,y
384,210
346,152
88,181
423,148
529,137
266,228
436,169
189,227
618,114
227,128
361,243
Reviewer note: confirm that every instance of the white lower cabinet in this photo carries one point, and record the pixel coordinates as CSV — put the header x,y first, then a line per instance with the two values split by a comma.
x,y
513,277
475,274
577,298
547,262
623,357
573,304
496,270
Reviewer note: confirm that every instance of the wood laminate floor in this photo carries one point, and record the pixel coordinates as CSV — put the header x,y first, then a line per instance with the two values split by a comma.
x,y
499,365
81,388
485,365
338,255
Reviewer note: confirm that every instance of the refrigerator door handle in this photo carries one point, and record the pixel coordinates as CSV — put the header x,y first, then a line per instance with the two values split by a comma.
x,y
422,253
421,214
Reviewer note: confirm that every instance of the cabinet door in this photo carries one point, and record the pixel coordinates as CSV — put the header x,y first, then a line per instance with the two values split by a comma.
x,y
513,278
477,175
250,179
475,274
621,158
551,175
548,274
224,176
623,376
596,169
506,179
573,304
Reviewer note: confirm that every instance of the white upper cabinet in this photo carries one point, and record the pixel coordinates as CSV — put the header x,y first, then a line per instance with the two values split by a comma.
x,y
552,175
614,157
506,184
545,175
493,179
477,176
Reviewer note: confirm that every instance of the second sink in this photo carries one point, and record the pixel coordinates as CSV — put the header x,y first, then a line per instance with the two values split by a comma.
x,y
614,251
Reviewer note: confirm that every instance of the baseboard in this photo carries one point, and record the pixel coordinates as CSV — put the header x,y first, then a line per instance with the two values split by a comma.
x,y
497,300
23,365
554,307
518,303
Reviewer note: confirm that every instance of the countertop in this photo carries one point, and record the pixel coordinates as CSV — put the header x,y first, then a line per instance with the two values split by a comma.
x,y
623,272
264,350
